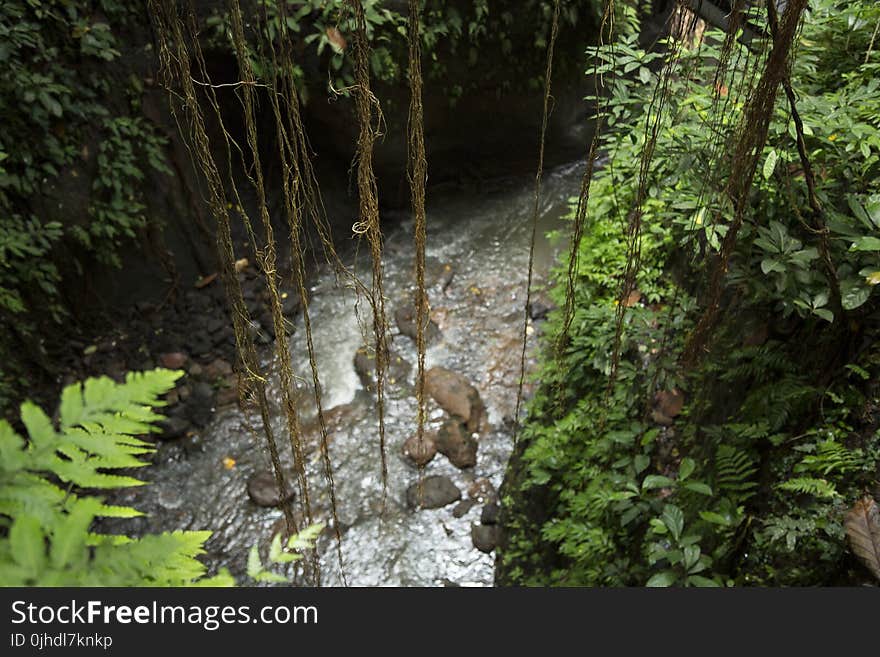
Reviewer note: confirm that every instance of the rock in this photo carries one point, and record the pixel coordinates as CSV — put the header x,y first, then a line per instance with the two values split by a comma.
x,y
483,490
173,360
203,391
365,365
463,507
456,445
540,307
489,515
422,454
199,343
263,490
405,318
456,396
337,420
195,370
228,393
174,427
215,325
290,305
436,491
217,369
485,537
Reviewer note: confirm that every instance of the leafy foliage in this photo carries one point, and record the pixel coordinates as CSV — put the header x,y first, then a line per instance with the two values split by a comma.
x,y
751,482
47,511
281,553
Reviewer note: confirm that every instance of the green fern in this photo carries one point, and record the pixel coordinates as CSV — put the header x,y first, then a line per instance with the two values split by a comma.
x,y
809,486
830,457
734,473
49,542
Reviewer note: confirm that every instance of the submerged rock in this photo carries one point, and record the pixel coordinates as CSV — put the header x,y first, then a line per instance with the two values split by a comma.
x,y
365,366
405,318
436,491
263,490
456,396
457,445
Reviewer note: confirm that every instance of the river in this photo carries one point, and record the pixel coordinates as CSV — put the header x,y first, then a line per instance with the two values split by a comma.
x,y
478,236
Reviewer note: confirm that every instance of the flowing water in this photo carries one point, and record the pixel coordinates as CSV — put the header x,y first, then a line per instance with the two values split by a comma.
x,y
478,237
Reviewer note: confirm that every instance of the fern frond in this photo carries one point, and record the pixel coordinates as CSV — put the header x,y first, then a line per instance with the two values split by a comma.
x,y
810,486
734,473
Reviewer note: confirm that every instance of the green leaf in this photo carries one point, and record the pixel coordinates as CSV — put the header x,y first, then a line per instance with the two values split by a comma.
x,y
656,481
770,164
69,538
698,487
277,553
673,518
688,465
27,544
703,582
866,243
662,579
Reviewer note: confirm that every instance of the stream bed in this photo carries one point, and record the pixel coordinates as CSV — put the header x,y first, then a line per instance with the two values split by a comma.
x,y
477,255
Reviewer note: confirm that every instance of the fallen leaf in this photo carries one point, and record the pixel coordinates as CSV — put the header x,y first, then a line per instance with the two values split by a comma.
x,y
634,297
241,265
670,402
229,463
862,526
336,39
205,280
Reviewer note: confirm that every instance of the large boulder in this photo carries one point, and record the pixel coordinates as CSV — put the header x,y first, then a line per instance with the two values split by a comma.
x,y
436,492
456,396
456,444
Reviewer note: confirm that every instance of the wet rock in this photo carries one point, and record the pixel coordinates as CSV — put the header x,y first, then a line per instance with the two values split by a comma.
x,y
173,360
263,490
483,490
461,509
199,343
456,396
457,445
217,369
228,392
174,427
365,365
290,305
436,491
195,370
485,537
405,318
215,325
336,420
420,454
540,307
203,391
489,515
